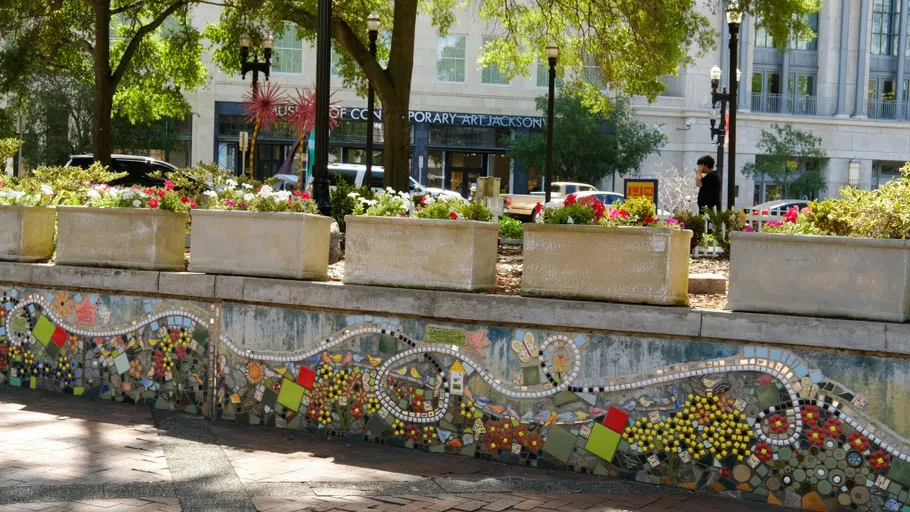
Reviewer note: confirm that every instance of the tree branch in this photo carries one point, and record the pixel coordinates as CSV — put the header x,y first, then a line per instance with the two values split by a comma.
x,y
87,46
137,39
128,7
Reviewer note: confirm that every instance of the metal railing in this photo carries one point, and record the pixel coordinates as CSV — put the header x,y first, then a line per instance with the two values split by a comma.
x,y
793,105
887,109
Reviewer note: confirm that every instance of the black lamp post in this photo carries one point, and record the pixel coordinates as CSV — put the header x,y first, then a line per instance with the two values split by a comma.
x,y
734,18
724,98
246,66
552,55
373,23
323,70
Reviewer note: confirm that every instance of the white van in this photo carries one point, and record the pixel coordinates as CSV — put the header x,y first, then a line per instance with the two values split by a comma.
x,y
354,174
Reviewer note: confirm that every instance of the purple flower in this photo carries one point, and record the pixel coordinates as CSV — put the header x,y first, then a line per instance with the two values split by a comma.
x,y
748,229
774,223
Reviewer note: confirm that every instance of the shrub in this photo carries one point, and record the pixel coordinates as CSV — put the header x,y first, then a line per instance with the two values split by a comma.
x,y
510,228
70,183
695,222
639,207
343,203
722,223
8,148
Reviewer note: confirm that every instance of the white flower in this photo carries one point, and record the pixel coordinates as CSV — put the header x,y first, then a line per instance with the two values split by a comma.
x,y
570,221
231,184
136,203
390,190
247,186
355,195
46,190
211,193
429,201
92,193
282,196
248,197
265,190
128,194
15,195
219,188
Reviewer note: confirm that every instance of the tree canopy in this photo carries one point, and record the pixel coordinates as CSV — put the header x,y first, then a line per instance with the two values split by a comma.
x,y
588,146
792,159
140,57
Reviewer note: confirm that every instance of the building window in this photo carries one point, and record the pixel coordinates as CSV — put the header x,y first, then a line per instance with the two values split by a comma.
x,y
885,29
543,76
810,44
450,57
336,63
593,74
762,38
492,74
287,56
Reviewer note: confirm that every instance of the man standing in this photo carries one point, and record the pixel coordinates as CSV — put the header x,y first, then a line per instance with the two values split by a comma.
x,y
708,183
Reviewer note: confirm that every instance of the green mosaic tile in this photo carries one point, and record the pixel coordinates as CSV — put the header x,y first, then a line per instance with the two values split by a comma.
x,y
563,398
291,394
43,331
387,344
768,395
603,442
559,444
52,350
122,363
444,335
531,375
900,471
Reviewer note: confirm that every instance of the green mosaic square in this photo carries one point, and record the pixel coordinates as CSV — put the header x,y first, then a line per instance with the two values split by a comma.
x,y
530,375
900,471
444,335
291,394
387,344
768,395
603,442
559,444
43,331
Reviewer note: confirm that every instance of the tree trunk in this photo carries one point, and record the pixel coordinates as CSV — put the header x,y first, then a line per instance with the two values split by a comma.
x,y
396,146
104,85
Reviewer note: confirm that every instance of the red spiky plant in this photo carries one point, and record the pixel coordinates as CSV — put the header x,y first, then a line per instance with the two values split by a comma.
x,y
259,107
303,119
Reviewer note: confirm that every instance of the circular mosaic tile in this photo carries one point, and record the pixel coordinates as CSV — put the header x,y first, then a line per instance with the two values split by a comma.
x,y
859,495
741,473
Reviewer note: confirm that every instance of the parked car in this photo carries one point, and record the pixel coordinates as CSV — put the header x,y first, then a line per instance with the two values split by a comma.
x,y
521,206
138,168
778,207
354,175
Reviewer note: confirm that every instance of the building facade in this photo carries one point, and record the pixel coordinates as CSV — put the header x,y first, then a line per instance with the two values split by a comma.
x,y
849,86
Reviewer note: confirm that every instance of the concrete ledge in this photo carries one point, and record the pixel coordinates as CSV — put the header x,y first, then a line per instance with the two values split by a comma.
x,y
707,283
857,335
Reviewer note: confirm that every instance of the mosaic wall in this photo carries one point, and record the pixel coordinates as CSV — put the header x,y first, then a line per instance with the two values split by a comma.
x,y
758,422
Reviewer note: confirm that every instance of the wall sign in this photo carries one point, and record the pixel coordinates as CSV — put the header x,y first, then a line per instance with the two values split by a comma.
x,y
641,187
422,116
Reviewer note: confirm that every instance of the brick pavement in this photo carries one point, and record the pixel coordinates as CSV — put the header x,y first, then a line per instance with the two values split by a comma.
x,y
65,453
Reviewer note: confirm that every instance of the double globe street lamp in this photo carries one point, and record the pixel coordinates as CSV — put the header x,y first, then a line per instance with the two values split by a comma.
x,y
727,98
256,67
552,56
719,130
373,24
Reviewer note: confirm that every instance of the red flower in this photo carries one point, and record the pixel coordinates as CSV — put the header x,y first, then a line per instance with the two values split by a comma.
x,y
538,207
161,194
192,203
570,199
816,436
879,461
169,185
534,443
180,351
4,350
149,191
174,334
306,195
791,215
184,200
778,424
725,472
2,365
763,452
858,442
810,415
832,428
453,215
159,370
649,220
158,356
153,203
412,432
423,200
356,410
595,205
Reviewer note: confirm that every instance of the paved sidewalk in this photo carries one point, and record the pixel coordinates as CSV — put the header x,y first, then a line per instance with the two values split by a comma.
x,y
66,453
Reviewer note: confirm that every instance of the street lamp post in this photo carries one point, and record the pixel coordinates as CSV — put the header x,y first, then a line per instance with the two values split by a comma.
x,y
246,66
552,55
323,69
725,99
734,18
373,23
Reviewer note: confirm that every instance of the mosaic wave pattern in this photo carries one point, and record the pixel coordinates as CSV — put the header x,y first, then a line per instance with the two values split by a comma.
x,y
760,424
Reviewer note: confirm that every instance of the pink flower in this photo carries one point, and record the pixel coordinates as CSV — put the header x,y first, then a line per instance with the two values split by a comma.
x,y
807,211
748,229
192,203
538,207
169,185
774,223
570,199
614,214
672,222
153,203
791,215
306,195
228,202
423,200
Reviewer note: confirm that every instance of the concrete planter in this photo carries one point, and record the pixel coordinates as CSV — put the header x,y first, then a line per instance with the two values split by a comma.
x,y
421,253
136,238
865,278
267,244
626,264
27,234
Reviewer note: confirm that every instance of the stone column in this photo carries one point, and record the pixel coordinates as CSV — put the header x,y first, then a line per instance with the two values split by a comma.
x,y
842,65
863,56
744,94
785,84
724,49
901,60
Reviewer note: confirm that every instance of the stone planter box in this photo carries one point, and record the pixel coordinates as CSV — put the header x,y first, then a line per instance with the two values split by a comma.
x,y
625,264
134,238
421,253
864,278
266,244
27,234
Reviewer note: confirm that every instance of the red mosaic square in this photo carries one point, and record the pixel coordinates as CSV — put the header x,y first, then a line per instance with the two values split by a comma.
x,y
59,337
616,420
306,378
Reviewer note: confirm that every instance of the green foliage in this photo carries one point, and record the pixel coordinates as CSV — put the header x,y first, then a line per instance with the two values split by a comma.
x,y
588,146
695,222
193,181
510,228
446,209
803,226
790,158
9,148
722,223
578,213
343,202
387,204
70,183
639,207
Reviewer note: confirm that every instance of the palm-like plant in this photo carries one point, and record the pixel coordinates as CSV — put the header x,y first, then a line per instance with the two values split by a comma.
x,y
303,119
260,108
